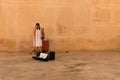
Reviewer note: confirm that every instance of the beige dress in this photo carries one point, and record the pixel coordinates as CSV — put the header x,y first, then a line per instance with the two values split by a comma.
x,y
38,40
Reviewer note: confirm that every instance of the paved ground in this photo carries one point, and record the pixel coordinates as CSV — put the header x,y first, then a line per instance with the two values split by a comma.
x,y
67,66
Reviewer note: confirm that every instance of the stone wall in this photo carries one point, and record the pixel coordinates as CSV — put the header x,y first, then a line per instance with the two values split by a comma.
x,y
69,24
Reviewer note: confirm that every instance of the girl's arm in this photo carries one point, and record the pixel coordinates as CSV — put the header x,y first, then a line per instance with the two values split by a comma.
x,y
42,32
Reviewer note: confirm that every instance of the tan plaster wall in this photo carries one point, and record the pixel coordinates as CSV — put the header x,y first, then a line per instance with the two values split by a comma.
x,y
69,24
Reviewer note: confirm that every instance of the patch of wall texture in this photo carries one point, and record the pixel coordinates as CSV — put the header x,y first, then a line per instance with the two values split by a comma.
x,y
69,24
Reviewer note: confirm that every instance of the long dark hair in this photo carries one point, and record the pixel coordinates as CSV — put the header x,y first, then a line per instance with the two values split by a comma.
x,y
37,26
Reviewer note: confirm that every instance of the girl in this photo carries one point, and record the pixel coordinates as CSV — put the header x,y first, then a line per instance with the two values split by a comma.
x,y
38,38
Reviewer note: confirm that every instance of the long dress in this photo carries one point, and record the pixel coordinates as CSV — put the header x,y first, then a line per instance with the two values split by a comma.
x,y
38,40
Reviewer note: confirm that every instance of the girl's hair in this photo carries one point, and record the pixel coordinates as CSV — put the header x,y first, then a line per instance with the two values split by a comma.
x,y
37,26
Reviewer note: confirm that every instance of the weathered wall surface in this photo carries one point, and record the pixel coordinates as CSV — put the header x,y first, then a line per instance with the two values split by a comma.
x,y
69,24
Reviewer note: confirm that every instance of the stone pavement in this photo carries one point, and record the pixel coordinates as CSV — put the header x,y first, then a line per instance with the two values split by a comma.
x,y
83,65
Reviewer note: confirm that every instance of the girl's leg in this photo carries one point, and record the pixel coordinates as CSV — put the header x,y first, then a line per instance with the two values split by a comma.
x,y
34,50
37,49
40,49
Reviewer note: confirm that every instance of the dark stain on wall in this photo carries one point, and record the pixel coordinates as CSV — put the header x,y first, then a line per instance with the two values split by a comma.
x,y
61,29
6,44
